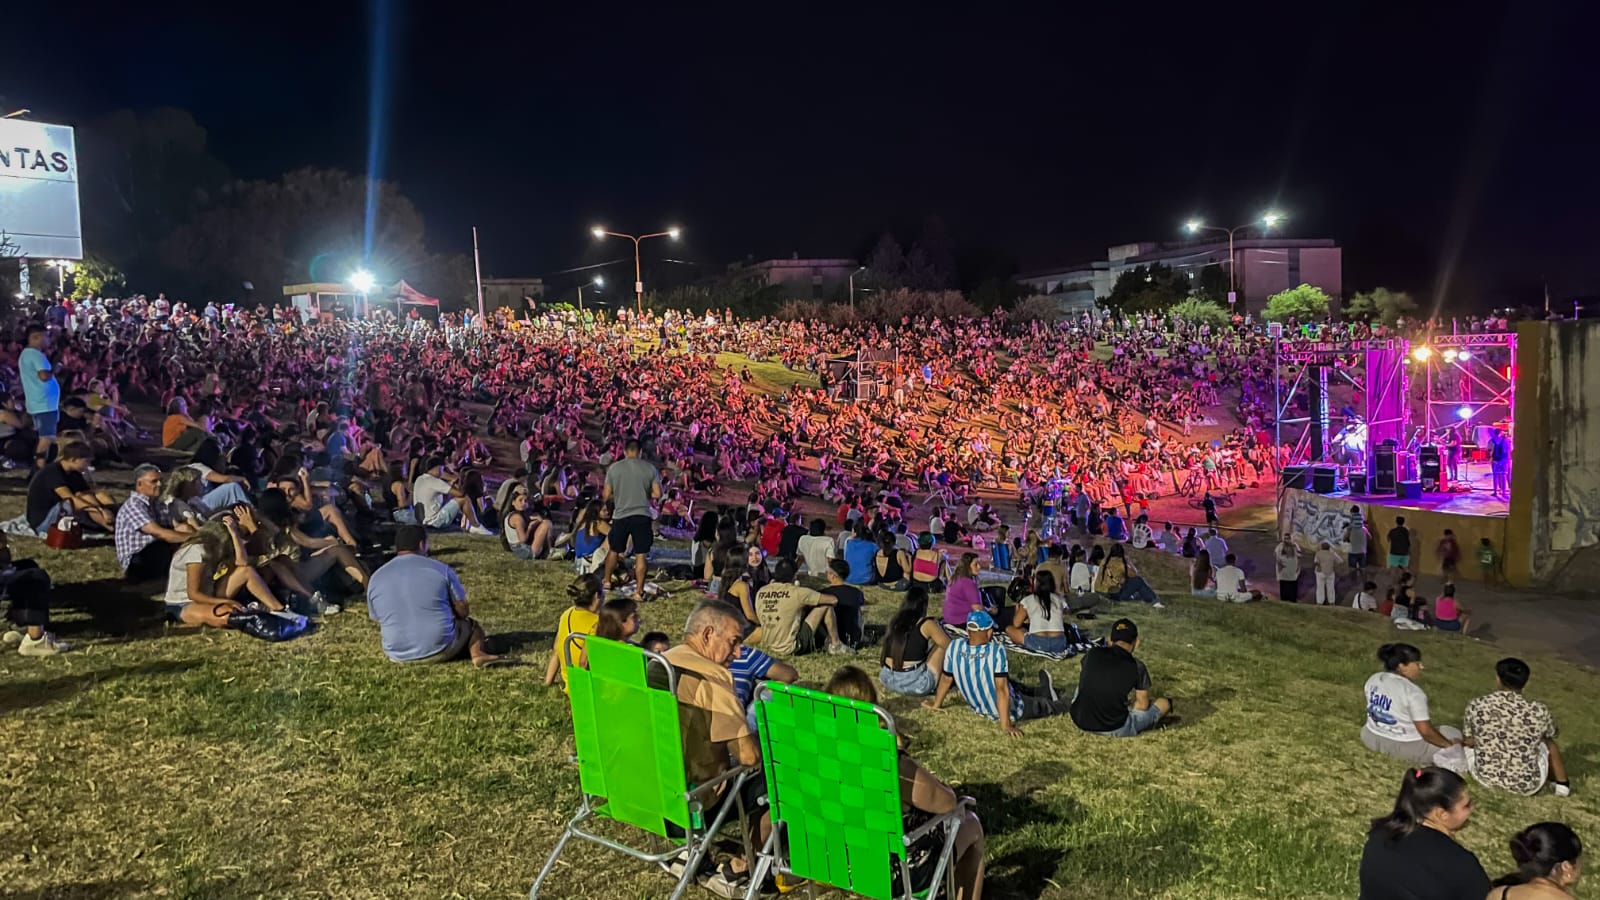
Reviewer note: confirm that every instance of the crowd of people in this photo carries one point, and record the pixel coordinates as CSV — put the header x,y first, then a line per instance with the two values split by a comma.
x,y
308,462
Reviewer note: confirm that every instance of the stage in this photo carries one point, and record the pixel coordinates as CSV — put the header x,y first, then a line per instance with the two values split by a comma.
x,y
1480,501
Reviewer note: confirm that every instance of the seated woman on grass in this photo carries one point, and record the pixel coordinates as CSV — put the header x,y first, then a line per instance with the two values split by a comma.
x,y
582,618
738,593
1120,581
525,530
923,796
1039,622
1398,722
913,647
298,560
212,568
618,620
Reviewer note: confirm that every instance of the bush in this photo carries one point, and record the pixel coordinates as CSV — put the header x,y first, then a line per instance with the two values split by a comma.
x,y
1200,311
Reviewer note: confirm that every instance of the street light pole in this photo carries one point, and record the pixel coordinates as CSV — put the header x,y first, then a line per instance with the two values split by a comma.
x,y
638,277
1266,221
598,282
853,287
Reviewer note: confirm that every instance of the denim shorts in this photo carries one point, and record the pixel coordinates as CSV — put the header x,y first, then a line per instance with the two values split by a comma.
x,y
45,423
1039,643
919,681
1139,720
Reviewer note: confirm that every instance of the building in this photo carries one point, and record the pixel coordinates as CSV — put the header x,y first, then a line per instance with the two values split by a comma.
x,y
1265,266
511,292
806,279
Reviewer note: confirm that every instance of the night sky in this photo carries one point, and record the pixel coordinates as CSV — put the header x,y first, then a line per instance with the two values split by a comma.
x,y
1460,138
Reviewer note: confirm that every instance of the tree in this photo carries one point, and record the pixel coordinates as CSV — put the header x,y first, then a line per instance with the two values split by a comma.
x,y
1304,303
886,267
931,264
1380,303
93,276
1151,288
1212,284
309,225
999,293
1199,311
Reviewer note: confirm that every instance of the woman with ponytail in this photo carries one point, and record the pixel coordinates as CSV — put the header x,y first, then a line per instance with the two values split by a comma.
x,y
1548,864
1412,854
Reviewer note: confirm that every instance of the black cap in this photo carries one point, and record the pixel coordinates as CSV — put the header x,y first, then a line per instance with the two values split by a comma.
x,y
1123,631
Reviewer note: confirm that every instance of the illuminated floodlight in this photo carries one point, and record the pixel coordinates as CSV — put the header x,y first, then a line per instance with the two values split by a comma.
x,y
1450,356
363,281
598,231
1465,354
1272,218
1422,353
1193,226
1463,412
674,233
599,281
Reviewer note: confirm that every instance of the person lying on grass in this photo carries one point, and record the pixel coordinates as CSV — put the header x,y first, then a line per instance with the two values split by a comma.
x,y
421,609
212,568
923,796
582,618
1109,674
1398,721
977,666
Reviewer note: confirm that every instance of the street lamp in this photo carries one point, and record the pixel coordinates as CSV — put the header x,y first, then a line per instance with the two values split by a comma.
x,y
853,286
62,267
600,232
362,281
598,283
1267,220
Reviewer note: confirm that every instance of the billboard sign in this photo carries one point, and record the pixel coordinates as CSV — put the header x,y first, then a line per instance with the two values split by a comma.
x,y
39,191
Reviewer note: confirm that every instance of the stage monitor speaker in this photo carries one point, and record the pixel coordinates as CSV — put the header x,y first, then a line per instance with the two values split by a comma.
x,y
1323,479
1428,468
1385,469
1358,482
1295,477
1408,490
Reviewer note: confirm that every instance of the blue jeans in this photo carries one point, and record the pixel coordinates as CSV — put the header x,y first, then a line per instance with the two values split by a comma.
x,y
1139,720
223,496
1136,588
1039,643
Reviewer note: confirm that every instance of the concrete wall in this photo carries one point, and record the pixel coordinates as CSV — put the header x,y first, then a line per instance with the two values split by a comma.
x,y
1324,268
1555,489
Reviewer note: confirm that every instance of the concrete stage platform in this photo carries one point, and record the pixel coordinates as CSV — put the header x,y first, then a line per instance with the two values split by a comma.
x,y
1477,503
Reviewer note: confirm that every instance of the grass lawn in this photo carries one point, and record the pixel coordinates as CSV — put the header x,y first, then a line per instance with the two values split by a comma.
x,y
153,762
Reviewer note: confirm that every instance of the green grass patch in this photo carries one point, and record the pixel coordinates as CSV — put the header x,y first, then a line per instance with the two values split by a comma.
x,y
159,762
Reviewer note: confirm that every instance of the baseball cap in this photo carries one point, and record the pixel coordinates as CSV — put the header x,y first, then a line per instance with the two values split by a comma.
x,y
978,620
1123,631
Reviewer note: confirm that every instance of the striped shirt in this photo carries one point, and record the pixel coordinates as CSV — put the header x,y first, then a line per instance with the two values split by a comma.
x,y
748,666
974,667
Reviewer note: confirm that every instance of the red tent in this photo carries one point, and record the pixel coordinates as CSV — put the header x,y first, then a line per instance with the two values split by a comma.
x,y
405,295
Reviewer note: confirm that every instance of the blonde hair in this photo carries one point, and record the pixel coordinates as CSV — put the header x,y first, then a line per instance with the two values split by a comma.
x,y
176,480
853,683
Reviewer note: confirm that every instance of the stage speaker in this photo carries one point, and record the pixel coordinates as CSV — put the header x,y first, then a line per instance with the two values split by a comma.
x,y
1295,477
1408,490
1428,468
1384,469
1323,478
1358,482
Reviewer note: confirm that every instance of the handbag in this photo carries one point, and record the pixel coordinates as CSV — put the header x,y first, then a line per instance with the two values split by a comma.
x,y
266,624
64,533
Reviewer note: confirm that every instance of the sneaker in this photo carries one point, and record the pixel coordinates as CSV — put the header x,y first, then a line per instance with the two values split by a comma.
x,y
1562,789
1047,686
1158,605
725,882
12,637
320,606
480,531
42,646
840,650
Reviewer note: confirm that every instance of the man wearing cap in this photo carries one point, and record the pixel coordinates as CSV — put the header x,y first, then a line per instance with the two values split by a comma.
x,y
1109,673
978,668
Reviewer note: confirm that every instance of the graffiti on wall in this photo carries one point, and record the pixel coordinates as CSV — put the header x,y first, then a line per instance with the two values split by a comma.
x,y
1312,518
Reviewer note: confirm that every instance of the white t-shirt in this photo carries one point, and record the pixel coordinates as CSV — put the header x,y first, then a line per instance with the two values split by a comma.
x,y
1217,547
1230,580
1167,540
1394,705
1082,579
432,492
1037,619
936,526
178,574
1364,600
816,551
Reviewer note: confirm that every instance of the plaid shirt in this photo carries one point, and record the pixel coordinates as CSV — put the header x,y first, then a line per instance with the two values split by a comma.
x,y
131,519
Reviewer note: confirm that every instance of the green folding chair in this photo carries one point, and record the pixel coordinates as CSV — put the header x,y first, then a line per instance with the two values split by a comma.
x,y
630,759
833,789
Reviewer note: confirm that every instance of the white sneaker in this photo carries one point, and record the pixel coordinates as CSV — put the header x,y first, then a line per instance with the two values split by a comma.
x,y
1158,605
840,650
42,646
480,531
12,637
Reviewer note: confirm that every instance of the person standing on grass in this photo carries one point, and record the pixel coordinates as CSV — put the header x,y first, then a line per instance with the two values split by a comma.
x,y
1398,722
1325,564
41,392
1286,558
1412,854
1511,739
632,485
1399,546
978,668
420,606
1109,675
1549,864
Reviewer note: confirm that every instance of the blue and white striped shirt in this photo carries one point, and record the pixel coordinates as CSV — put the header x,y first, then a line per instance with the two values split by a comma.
x,y
974,667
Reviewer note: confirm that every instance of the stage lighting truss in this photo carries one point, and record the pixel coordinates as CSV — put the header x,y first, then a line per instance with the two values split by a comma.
x,y
1470,380
1373,370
